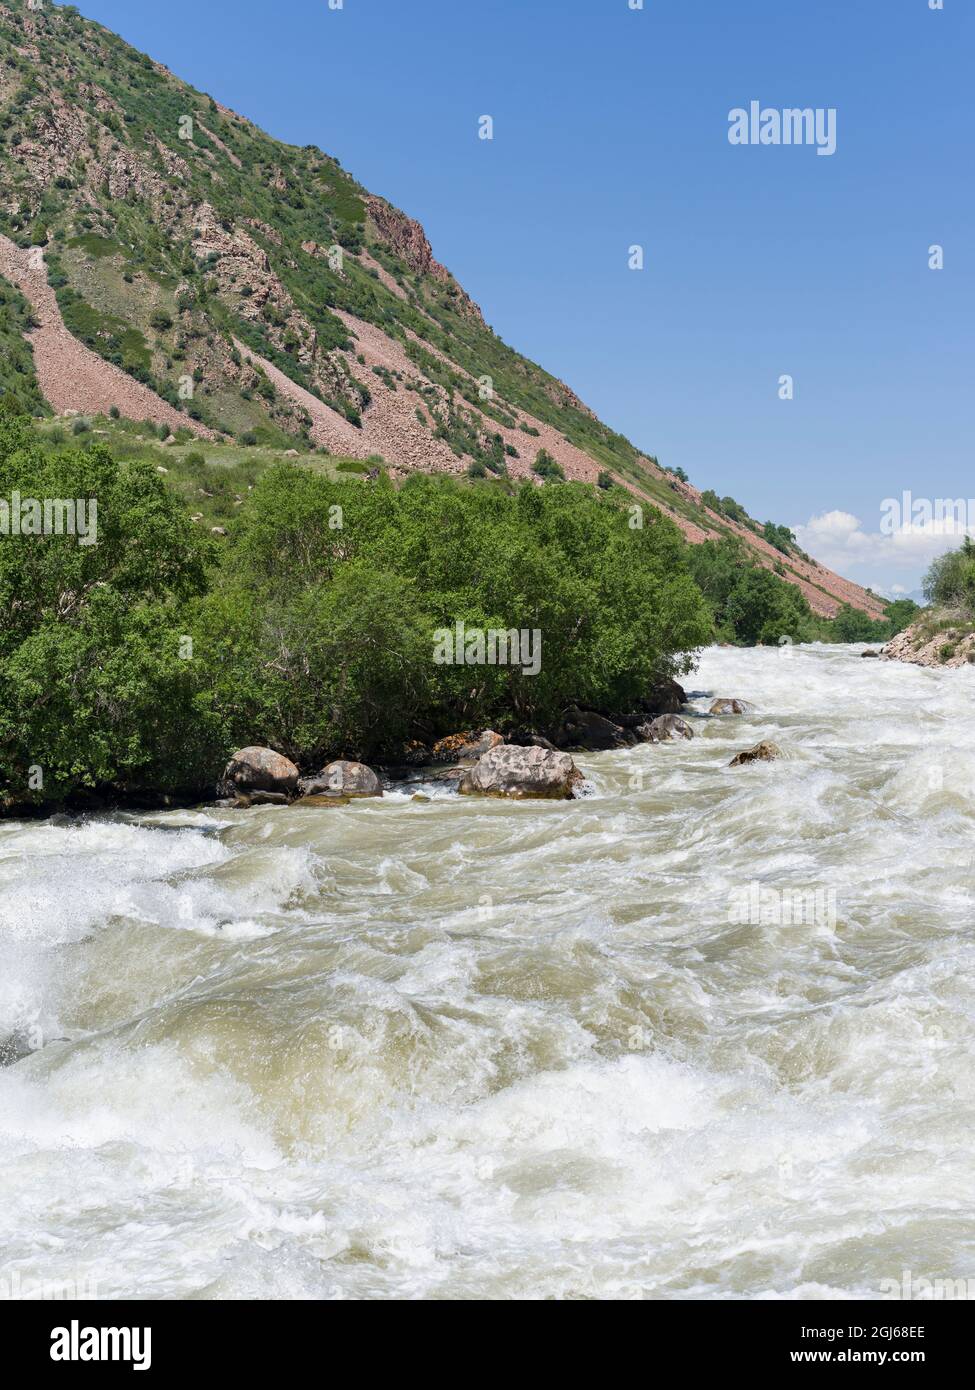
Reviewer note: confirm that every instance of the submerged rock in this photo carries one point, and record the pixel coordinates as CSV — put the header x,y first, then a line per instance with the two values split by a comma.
x,y
523,774
316,800
870,652
342,778
764,752
247,799
258,769
729,707
14,1048
665,728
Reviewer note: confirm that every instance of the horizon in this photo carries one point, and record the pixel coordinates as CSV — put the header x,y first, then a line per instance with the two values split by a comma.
x,y
759,264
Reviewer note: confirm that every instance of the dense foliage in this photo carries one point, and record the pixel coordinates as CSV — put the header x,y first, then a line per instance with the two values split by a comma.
x,y
93,690
950,581
19,390
752,605
142,661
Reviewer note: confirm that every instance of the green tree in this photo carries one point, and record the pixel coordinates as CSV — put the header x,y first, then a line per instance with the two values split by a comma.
x,y
94,686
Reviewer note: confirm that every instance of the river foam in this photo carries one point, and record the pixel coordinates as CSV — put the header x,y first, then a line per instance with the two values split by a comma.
x,y
466,1049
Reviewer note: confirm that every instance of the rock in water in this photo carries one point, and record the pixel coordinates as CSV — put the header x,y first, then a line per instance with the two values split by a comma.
x,y
457,747
764,752
665,728
870,652
666,697
253,770
523,774
342,779
586,729
728,707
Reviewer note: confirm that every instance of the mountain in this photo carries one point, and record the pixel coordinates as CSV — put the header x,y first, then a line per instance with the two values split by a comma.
x,y
171,262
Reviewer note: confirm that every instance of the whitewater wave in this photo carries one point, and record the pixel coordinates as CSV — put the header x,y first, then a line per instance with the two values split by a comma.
x,y
463,1049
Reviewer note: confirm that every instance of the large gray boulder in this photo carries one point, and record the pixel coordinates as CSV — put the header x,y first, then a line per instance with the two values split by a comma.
x,y
255,770
522,774
342,779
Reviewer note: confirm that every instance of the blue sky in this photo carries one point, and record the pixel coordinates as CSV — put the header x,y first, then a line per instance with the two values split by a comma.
x,y
611,129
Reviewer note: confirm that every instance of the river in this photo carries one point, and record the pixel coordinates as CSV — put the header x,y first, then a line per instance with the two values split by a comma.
x,y
706,1033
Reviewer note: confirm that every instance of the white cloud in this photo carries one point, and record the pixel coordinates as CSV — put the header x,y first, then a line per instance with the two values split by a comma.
x,y
839,541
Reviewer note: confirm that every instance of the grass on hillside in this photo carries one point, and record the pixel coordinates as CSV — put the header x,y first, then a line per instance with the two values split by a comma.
x,y
212,479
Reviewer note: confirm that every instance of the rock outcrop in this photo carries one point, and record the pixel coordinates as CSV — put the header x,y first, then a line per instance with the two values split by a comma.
x,y
405,237
949,646
522,774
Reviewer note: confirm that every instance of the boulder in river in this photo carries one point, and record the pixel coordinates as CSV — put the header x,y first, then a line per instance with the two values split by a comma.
x,y
523,774
256,769
665,728
871,651
666,697
764,752
583,728
458,747
342,778
728,707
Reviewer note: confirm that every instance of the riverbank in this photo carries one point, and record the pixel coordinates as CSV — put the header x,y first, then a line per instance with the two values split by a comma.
x,y
941,638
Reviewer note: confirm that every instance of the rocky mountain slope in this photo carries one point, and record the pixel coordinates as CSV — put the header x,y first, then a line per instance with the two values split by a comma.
x,y
167,258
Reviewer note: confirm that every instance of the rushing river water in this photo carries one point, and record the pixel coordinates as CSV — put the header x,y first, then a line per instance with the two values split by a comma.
x,y
464,1049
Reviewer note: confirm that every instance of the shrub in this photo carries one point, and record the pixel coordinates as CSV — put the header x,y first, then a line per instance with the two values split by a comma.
x,y
950,580
545,466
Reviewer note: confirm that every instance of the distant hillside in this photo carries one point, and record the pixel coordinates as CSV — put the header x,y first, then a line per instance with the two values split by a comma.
x,y
172,261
